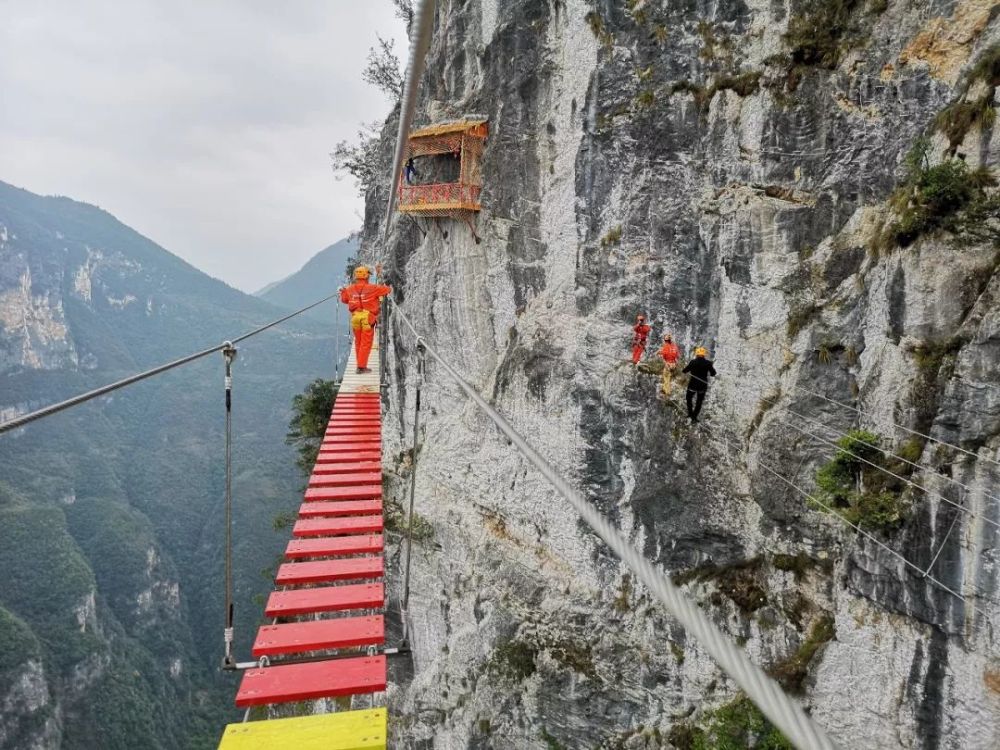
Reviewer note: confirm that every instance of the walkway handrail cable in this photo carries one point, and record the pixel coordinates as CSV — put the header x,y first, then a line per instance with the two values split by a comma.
x,y
833,512
783,712
69,403
899,426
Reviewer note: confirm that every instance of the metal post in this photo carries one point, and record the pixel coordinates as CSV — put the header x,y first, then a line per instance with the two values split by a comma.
x,y
229,354
413,489
383,343
336,345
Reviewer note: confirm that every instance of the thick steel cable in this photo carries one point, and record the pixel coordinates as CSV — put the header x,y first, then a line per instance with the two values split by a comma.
x,y
420,42
783,712
421,365
69,403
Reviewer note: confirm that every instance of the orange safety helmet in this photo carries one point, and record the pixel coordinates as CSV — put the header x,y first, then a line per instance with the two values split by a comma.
x,y
361,273
700,351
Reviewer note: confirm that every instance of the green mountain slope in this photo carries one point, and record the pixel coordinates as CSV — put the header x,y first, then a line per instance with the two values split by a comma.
x,y
111,608
323,273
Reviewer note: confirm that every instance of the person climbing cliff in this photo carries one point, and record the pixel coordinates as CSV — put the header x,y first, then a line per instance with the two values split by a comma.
x,y
670,353
640,332
410,171
700,369
363,301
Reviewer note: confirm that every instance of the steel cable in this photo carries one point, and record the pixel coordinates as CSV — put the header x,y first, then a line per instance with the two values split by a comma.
x,y
69,403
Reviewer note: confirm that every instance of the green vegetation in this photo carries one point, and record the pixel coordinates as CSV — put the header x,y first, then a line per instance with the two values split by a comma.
x,y
623,600
935,363
638,11
791,672
612,237
310,415
853,487
396,521
514,659
47,582
677,652
822,32
962,115
601,33
645,99
947,196
800,316
743,84
17,643
740,582
799,564
737,725
550,742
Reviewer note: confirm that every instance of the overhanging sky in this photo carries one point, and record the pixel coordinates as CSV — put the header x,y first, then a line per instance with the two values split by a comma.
x,y
204,125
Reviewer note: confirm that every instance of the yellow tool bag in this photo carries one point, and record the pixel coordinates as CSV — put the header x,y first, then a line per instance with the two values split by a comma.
x,y
361,320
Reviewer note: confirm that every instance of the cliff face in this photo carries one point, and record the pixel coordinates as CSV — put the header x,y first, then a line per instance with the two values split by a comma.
x,y
737,171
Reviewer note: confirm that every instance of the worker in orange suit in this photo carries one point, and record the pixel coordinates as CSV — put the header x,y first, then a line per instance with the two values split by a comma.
x,y
640,332
670,354
363,302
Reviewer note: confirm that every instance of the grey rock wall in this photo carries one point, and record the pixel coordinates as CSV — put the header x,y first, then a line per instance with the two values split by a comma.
x,y
669,158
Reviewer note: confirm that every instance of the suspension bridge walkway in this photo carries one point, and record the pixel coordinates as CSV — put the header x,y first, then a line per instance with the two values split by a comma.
x,y
327,633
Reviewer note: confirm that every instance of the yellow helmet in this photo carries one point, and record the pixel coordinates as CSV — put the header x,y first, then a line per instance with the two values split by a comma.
x,y
701,352
361,273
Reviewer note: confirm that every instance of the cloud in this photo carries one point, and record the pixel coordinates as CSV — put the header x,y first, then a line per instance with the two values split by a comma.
x,y
206,126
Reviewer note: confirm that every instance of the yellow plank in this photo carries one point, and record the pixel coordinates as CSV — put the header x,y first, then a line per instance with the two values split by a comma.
x,y
446,127
347,730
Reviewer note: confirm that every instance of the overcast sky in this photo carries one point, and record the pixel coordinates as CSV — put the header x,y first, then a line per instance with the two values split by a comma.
x,y
205,125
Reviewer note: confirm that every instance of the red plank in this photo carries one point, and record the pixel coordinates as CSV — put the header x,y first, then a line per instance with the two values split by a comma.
x,y
341,480
325,599
347,468
355,445
347,457
341,508
319,679
333,546
357,492
337,526
349,431
349,436
326,571
319,635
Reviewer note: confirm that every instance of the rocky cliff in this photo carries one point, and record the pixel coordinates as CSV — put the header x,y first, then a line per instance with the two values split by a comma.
x,y
807,189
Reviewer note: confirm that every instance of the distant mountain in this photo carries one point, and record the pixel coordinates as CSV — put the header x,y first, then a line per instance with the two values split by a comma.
x,y
111,515
319,277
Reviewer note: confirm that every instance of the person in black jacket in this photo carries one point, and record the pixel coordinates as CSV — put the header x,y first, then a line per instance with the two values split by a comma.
x,y
700,369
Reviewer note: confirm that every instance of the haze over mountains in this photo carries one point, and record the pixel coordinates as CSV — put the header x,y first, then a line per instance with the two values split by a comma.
x,y
111,608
